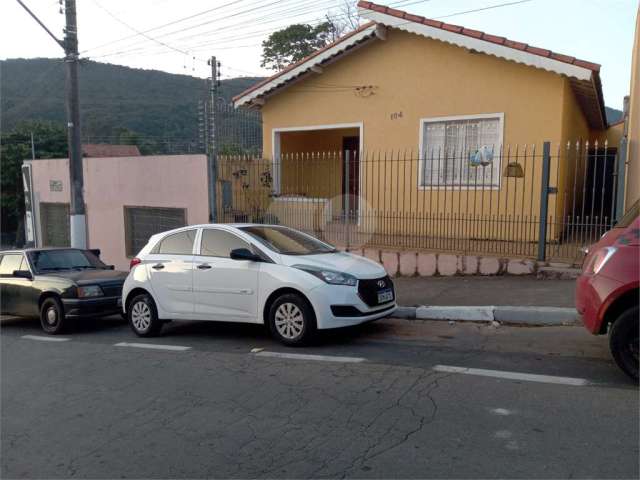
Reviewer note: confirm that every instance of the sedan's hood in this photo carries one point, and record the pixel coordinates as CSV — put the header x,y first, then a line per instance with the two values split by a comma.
x,y
355,265
89,277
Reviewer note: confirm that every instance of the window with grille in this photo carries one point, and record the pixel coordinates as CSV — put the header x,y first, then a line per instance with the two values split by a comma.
x,y
143,222
461,152
54,223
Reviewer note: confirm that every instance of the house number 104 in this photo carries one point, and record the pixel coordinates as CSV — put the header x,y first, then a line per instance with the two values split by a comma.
x,y
396,115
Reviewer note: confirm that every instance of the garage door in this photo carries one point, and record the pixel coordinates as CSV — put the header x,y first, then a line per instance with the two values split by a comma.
x,y
143,222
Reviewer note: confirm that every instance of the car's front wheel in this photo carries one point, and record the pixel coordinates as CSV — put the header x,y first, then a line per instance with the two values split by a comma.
x,y
143,316
623,342
292,320
52,317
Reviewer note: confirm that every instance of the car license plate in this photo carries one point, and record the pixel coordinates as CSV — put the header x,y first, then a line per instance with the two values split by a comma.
x,y
385,295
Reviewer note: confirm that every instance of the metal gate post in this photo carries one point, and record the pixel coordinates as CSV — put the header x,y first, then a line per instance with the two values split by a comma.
x,y
544,200
347,215
619,175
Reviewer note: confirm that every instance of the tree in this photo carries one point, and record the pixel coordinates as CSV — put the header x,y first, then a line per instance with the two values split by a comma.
x,y
297,41
293,43
50,141
344,20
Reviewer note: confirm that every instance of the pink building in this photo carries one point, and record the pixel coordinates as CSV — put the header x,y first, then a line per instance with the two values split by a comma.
x,y
127,200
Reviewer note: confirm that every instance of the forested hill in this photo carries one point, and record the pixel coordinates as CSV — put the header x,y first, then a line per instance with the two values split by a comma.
x,y
115,100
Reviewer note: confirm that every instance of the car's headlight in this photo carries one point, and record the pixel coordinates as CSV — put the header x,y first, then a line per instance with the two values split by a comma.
x,y
90,291
600,258
329,276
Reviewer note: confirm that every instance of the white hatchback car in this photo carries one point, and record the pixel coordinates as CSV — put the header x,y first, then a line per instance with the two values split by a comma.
x,y
253,273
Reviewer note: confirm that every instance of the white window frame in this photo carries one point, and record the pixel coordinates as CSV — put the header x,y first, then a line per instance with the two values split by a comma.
x,y
480,116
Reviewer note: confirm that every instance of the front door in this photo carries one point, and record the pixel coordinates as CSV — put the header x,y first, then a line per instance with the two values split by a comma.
x,y
170,270
351,155
225,289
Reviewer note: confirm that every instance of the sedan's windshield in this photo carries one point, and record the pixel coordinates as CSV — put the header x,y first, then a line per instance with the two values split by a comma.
x,y
288,241
64,259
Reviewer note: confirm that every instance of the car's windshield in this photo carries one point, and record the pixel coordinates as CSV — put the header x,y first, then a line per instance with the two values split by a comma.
x,y
288,241
64,259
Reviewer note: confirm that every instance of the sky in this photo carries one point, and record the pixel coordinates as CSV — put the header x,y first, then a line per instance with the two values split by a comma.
x,y
599,31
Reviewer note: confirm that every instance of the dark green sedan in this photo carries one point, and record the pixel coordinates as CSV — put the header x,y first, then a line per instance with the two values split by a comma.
x,y
58,284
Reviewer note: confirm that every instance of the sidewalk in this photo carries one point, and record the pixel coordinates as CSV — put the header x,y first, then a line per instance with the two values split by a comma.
x,y
505,299
472,291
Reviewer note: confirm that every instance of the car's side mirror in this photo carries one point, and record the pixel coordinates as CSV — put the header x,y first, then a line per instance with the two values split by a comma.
x,y
244,254
23,274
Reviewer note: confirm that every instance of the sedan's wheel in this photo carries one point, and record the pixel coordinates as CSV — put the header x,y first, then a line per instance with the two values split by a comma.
x,y
291,319
143,316
52,316
623,342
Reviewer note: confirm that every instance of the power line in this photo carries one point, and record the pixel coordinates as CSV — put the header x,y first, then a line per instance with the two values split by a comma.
x,y
280,13
138,31
484,8
190,27
164,25
44,27
142,48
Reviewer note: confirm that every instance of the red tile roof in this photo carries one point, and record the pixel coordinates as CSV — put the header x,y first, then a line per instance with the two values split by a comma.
x,y
107,150
479,35
299,62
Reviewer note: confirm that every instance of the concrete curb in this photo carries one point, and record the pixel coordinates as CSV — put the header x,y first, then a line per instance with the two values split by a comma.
x,y
508,315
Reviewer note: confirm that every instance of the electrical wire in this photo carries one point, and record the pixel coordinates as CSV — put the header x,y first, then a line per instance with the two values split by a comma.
x,y
164,25
193,26
279,15
138,31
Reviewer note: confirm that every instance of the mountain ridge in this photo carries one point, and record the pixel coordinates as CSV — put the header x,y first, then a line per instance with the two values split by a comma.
x,y
114,100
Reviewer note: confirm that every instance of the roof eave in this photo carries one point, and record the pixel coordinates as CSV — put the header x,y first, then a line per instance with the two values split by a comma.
x,y
303,66
474,43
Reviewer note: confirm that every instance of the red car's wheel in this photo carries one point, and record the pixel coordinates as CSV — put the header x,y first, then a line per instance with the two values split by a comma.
x,y
623,341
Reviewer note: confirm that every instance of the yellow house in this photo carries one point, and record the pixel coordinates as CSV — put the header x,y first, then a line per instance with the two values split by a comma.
x,y
633,127
424,129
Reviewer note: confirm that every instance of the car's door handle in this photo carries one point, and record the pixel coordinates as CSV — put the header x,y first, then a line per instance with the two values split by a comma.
x,y
158,266
204,266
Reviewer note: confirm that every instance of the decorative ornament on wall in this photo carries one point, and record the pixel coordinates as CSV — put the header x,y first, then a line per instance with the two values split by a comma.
x,y
514,169
364,91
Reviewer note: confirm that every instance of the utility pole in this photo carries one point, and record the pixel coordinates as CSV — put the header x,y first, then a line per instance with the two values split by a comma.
x,y
212,152
76,178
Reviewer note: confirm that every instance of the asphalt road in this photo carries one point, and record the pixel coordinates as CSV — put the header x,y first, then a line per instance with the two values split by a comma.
x,y
390,408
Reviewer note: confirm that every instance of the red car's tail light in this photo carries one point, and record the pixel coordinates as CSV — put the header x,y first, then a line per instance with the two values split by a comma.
x,y
134,262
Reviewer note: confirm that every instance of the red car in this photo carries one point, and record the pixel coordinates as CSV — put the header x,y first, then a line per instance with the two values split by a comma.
x,y
607,290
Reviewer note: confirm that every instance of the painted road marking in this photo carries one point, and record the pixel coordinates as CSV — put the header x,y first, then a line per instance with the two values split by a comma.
x,y
527,377
45,339
153,346
501,411
304,356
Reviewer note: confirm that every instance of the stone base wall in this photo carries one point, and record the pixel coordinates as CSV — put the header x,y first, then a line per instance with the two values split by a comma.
x,y
411,263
